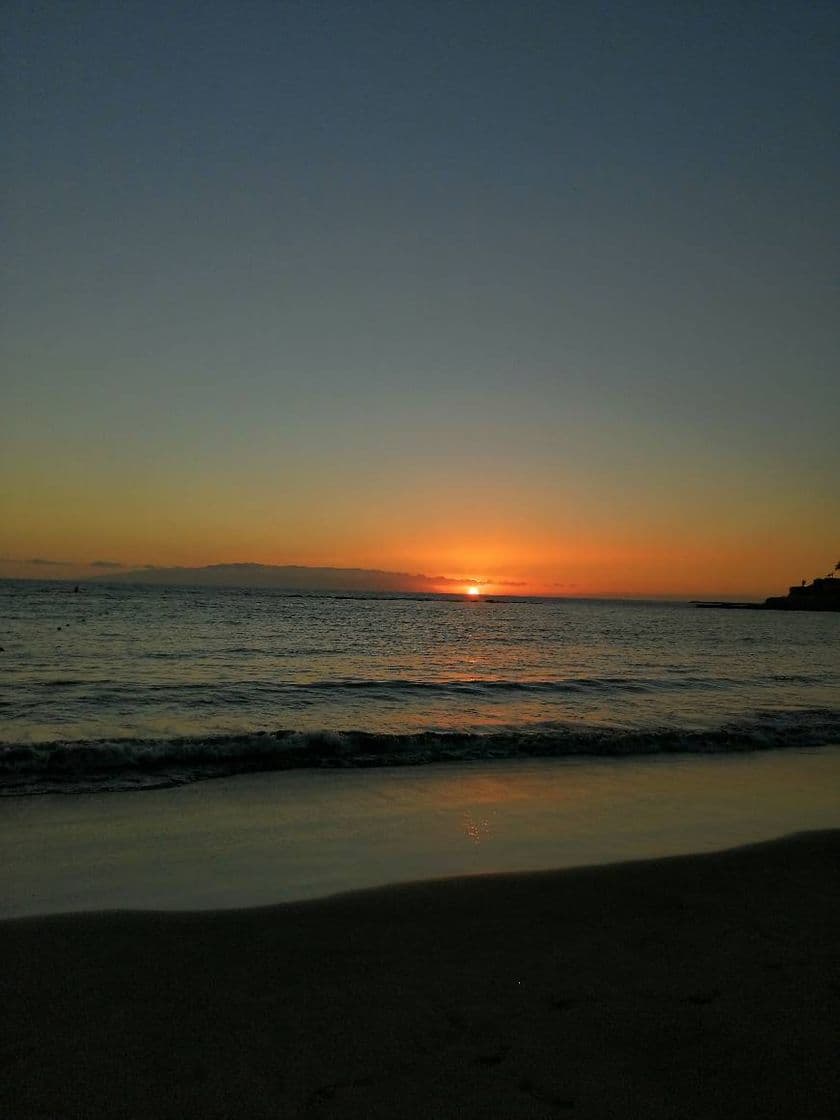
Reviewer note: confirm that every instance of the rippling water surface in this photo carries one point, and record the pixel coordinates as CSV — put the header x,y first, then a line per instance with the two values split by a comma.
x,y
121,687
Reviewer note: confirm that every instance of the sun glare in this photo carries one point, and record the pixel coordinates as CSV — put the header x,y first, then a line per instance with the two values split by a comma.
x,y
473,591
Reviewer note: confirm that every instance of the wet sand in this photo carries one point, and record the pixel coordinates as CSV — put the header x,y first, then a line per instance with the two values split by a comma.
x,y
695,986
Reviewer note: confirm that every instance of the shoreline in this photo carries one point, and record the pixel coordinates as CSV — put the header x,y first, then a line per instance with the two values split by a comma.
x,y
698,986
261,839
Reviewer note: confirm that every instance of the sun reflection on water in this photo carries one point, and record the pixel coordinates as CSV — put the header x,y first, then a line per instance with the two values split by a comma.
x,y
476,829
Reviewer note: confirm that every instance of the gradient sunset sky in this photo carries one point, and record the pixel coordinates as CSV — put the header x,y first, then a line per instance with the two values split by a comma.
x,y
540,292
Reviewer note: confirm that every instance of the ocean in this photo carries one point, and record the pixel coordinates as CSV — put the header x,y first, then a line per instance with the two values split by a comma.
x,y
354,741
116,688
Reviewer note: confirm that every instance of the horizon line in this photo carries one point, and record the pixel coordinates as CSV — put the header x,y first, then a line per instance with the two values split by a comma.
x,y
407,592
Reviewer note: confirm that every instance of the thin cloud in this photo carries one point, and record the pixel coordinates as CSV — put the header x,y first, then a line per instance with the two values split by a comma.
x,y
105,564
40,562
459,582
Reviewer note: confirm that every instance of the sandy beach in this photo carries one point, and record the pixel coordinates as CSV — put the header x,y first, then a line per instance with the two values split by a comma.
x,y
699,986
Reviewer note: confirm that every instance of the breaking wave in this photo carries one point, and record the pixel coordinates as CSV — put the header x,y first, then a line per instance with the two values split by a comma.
x,y
122,764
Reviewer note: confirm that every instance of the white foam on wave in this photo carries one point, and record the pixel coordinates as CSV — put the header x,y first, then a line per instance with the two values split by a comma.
x,y
132,763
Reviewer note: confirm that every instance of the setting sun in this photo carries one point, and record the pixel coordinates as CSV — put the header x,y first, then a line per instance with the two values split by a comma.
x,y
473,590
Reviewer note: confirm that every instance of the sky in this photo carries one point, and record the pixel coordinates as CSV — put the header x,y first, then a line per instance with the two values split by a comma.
x,y
533,293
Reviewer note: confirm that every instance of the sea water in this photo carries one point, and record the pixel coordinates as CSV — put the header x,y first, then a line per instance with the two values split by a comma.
x,y
119,687
359,740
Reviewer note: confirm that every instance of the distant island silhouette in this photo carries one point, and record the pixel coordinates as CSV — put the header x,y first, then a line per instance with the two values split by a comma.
x,y
291,577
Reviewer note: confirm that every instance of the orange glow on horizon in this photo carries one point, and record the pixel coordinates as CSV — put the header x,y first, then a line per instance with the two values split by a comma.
x,y
627,559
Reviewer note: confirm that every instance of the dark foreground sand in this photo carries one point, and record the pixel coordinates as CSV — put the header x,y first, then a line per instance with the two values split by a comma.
x,y
704,986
